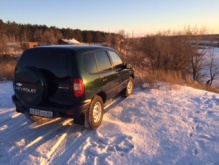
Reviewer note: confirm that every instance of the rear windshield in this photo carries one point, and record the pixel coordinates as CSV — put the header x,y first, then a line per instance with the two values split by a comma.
x,y
53,61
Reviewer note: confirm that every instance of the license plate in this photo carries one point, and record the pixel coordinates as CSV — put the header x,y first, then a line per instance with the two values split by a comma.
x,y
37,112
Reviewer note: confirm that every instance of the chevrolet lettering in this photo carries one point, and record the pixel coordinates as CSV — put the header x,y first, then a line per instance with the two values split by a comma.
x,y
25,89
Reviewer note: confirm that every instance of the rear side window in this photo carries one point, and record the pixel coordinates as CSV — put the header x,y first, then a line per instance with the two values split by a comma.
x,y
103,61
53,61
89,63
117,62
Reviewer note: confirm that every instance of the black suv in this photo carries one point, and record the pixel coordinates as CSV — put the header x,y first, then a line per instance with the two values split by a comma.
x,y
70,82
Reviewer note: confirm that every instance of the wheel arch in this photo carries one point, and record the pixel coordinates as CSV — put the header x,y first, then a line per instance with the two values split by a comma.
x,y
102,95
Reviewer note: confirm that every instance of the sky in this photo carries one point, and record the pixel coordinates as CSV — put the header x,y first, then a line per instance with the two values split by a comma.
x,y
138,17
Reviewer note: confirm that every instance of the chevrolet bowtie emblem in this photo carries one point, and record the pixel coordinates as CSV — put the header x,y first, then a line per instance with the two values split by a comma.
x,y
19,84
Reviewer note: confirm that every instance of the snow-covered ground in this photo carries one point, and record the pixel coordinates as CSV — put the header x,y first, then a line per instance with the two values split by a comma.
x,y
167,125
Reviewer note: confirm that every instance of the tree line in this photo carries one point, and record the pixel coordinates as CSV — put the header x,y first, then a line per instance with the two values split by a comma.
x,y
14,32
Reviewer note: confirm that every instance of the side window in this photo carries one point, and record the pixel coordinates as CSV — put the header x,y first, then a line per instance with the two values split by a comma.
x,y
103,61
117,62
89,63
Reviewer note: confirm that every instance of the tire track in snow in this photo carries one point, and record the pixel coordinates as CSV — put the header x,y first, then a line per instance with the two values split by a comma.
x,y
12,127
37,142
54,148
32,133
6,111
62,148
40,137
6,119
65,151
34,128
61,139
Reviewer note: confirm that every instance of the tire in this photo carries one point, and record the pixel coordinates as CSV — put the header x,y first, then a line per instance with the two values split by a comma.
x,y
30,86
129,88
94,115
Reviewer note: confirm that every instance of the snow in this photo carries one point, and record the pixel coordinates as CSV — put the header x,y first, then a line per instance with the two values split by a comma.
x,y
167,125
71,41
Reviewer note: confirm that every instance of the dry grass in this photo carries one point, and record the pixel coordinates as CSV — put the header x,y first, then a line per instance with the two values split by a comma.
x,y
196,85
151,77
170,77
7,66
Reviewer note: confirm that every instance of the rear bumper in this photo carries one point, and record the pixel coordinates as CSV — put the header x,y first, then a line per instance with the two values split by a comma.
x,y
70,112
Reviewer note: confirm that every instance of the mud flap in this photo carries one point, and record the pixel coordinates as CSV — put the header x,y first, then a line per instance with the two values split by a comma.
x,y
19,106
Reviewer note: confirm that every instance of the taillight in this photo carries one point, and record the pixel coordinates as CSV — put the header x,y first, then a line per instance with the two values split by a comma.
x,y
78,87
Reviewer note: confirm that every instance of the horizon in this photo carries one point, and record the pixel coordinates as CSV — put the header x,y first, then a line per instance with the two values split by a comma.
x,y
134,18
171,34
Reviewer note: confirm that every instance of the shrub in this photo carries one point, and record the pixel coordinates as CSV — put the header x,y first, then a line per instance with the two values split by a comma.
x,y
7,66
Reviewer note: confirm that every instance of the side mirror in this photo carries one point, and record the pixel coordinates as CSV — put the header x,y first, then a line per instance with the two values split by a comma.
x,y
128,66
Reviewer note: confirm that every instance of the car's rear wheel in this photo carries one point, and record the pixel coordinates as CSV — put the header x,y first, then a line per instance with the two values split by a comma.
x,y
94,115
129,88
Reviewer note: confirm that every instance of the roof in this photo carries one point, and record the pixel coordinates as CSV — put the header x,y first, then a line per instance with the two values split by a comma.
x,y
74,47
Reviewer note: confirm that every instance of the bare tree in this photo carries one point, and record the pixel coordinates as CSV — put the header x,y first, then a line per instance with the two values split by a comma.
x,y
38,36
3,43
196,54
3,38
198,64
213,68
